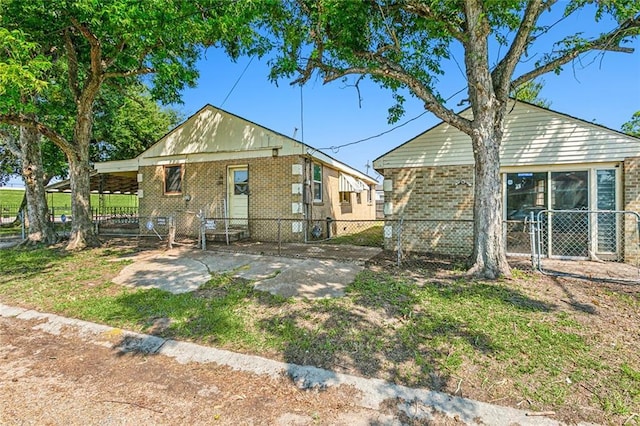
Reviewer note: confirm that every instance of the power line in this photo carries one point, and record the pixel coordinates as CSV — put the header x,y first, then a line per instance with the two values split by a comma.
x,y
336,148
237,81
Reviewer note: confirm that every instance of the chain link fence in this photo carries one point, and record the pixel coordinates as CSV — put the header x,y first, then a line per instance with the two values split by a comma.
x,y
402,242
598,245
12,224
421,242
288,230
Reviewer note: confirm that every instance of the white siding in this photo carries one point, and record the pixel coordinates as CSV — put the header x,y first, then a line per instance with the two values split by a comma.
x,y
215,131
533,136
212,134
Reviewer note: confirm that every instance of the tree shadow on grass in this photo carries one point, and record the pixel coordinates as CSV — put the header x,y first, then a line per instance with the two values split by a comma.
x,y
25,263
391,328
211,315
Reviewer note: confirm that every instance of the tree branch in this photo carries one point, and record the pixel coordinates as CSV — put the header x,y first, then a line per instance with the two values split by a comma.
x,y
606,42
10,142
118,50
130,73
94,43
395,72
501,75
424,11
52,135
72,72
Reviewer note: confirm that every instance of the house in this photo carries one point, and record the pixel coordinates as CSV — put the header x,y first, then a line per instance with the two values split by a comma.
x,y
216,165
549,160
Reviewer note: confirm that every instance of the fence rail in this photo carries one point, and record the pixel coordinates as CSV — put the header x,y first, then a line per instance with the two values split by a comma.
x,y
556,240
8,213
596,244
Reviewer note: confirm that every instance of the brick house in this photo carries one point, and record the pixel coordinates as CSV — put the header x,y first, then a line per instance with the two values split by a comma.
x,y
219,165
549,160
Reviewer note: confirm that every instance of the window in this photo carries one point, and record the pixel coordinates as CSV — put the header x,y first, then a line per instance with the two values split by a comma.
x,y
240,182
570,190
370,190
345,197
173,179
359,197
607,224
526,194
317,182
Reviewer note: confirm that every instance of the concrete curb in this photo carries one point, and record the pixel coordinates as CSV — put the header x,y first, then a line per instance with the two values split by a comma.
x,y
415,402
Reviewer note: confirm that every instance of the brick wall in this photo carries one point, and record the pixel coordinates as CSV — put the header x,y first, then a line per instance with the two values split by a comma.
x,y
631,202
443,201
270,192
271,197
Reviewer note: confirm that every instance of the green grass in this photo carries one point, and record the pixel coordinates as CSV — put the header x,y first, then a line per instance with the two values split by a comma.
x,y
504,343
371,237
13,197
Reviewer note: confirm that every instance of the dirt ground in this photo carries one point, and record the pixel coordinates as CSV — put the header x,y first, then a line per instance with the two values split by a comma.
x,y
63,380
56,380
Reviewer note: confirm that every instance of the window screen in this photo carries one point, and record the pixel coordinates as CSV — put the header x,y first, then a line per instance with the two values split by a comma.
x,y
173,179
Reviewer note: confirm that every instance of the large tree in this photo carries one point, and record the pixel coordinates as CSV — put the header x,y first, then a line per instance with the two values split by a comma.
x,y
632,127
116,41
404,45
128,121
22,79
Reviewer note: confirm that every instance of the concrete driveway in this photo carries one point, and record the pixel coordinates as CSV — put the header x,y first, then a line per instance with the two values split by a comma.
x,y
182,270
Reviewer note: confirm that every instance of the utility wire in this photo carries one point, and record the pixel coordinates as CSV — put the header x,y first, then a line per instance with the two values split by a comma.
x,y
237,81
336,148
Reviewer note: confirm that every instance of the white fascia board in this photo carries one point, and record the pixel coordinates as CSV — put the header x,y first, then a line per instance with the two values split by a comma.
x,y
203,157
340,166
117,166
563,167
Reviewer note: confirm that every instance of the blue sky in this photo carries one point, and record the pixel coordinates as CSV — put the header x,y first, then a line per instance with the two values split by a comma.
x,y
602,88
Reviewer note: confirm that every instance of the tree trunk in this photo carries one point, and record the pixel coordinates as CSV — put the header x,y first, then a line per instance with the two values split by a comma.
x,y
82,232
489,251
40,228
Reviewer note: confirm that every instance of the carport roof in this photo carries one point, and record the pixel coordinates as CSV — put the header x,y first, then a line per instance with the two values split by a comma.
x,y
103,183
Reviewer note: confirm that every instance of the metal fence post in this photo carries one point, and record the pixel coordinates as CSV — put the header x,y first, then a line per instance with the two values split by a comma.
x,y
22,225
279,235
203,236
172,232
399,253
532,239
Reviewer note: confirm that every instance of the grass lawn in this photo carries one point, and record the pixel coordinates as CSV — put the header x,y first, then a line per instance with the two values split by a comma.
x,y
371,236
13,197
533,342
10,200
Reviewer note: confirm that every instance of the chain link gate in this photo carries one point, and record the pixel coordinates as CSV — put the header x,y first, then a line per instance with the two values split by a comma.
x,y
593,244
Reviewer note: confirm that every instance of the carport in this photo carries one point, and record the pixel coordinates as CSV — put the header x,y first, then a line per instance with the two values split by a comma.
x,y
103,183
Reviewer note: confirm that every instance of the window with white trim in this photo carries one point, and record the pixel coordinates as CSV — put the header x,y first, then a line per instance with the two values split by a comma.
x,y
317,182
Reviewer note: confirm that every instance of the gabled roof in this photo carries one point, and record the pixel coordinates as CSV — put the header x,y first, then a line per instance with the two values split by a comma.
x,y
533,136
215,134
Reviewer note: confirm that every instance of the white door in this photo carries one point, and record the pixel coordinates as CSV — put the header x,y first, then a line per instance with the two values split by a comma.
x,y
238,190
